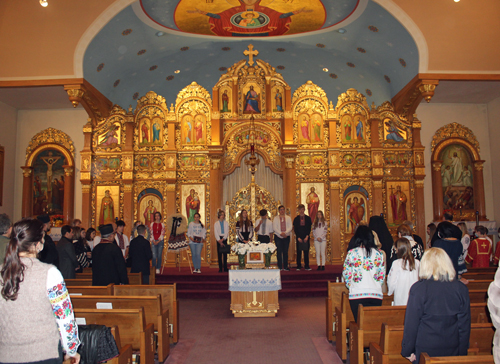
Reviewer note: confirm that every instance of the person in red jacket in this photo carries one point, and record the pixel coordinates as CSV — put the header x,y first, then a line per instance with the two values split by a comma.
x,y
480,249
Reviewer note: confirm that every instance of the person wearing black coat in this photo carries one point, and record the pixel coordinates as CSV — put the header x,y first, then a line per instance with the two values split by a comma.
x,y
108,264
139,253
302,225
437,320
49,253
450,241
67,256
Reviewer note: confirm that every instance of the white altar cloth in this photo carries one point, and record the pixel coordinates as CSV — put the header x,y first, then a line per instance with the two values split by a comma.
x,y
248,280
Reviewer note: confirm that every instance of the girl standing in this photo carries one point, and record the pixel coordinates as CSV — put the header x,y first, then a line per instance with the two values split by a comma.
x,y
221,232
157,229
244,228
320,228
403,273
196,234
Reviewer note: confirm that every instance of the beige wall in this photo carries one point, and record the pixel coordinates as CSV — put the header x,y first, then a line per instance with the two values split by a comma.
x,y
31,122
8,116
494,131
473,116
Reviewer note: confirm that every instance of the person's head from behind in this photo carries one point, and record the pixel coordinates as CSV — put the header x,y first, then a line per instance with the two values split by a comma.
x,y
409,224
462,227
5,225
363,238
107,232
437,265
66,232
76,231
141,230
26,241
481,231
404,231
403,248
447,216
77,222
446,230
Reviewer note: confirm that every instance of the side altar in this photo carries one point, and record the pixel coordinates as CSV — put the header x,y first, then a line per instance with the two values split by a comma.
x,y
254,292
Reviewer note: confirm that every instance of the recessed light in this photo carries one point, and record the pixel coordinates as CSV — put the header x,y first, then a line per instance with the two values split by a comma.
x,y
44,3
325,69
159,34
342,31
456,1
177,71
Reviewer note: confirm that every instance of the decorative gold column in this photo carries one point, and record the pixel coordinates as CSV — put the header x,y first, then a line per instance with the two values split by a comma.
x,y
289,186
378,203
215,203
437,191
69,194
337,250
479,203
27,204
420,224
86,205
85,174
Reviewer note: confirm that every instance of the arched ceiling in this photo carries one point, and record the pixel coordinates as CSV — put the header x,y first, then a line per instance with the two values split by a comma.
x,y
359,43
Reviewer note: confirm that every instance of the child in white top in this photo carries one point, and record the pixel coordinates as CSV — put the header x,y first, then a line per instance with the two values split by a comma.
x,y
403,273
320,229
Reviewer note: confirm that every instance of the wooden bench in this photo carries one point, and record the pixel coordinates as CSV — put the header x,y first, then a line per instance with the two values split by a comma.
x,y
152,273
125,356
487,276
472,359
479,313
333,300
153,313
369,326
482,270
481,338
343,315
92,290
479,284
388,350
168,293
133,278
478,295
78,282
132,326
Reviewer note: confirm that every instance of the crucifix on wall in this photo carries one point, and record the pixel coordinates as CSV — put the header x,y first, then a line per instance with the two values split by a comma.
x,y
250,52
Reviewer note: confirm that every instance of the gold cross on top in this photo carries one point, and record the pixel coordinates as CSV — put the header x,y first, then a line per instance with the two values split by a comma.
x,y
250,52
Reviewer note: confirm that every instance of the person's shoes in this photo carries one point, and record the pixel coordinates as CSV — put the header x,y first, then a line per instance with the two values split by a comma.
x,y
226,270
308,269
319,267
220,270
287,269
298,269
322,267
157,271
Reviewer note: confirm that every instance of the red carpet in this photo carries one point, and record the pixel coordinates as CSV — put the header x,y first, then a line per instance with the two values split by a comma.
x,y
212,284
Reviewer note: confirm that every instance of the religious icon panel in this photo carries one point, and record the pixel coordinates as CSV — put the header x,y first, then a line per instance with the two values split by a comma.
x,y
107,209
398,202
149,204
193,130
252,96
312,196
355,207
392,132
110,137
225,100
193,201
48,189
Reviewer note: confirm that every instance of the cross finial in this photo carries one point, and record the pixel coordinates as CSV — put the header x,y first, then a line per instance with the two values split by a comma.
x,y
250,52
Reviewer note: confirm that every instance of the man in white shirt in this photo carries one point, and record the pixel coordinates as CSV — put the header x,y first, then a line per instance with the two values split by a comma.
x,y
264,228
121,239
282,226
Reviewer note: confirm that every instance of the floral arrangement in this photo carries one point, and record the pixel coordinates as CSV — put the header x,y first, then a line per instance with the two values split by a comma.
x,y
240,248
57,220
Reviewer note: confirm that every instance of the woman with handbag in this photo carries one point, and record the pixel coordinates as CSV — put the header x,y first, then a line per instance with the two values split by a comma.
x,y
196,234
221,232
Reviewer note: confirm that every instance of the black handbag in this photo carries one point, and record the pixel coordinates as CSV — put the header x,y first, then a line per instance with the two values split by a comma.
x,y
302,246
225,248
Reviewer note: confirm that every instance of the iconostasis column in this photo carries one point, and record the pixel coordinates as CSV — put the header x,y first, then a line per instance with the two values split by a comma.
x,y
287,126
127,174
337,251
377,167
437,191
85,172
419,173
27,205
215,200
289,200
69,194
479,189
217,134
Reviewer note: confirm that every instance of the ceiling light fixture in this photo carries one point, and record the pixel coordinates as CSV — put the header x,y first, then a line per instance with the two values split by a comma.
x,y
44,3
177,71
325,69
158,34
456,1
342,31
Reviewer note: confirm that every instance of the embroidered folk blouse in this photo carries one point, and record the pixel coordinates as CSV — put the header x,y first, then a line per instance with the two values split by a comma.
x,y
364,275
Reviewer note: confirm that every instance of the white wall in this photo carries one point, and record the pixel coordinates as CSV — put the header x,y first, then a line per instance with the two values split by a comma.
x,y
8,119
473,116
494,132
31,122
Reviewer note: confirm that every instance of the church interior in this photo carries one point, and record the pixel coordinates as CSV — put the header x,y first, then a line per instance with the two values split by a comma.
x,y
118,109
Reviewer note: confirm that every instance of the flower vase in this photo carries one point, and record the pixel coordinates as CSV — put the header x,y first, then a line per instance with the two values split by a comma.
x,y
241,261
267,259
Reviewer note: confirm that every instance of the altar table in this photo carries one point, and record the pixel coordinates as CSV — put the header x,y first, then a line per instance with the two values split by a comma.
x,y
254,292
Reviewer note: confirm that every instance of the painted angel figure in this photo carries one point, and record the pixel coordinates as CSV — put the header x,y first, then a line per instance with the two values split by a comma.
x,y
356,212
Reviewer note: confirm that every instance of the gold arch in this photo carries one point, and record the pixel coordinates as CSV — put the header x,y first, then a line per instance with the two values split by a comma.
x,y
443,144
41,148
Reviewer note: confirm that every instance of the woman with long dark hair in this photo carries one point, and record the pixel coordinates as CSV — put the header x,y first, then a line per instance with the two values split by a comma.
x,y
81,249
377,224
244,227
37,323
364,271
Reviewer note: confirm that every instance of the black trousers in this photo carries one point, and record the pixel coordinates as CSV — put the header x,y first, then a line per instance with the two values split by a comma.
x,y
282,245
145,279
222,257
264,239
366,302
306,256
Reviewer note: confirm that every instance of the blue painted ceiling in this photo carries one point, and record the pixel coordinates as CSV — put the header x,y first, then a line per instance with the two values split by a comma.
x,y
376,55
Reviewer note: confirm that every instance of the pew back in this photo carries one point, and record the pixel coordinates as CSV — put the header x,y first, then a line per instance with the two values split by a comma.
x,y
78,282
479,284
388,351
478,295
471,359
125,356
91,290
481,338
133,278
479,313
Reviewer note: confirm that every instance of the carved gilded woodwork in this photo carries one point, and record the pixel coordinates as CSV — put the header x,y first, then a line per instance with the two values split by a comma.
x,y
121,198
455,130
109,134
353,129
252,78
47,139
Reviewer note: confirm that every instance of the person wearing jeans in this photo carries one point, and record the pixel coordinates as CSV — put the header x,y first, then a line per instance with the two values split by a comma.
x,y
196,234
282,226
157,234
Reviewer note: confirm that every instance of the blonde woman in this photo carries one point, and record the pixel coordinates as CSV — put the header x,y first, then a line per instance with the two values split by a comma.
x,y
320,228
437,320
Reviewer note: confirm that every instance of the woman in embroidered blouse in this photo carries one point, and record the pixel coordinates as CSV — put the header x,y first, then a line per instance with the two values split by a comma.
x,y
364,271
197,235
320,228
157,229
37,322
244,228
221,232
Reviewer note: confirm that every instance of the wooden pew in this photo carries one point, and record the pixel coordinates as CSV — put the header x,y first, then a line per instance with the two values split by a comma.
x,y
343,315
152,273
92,290
472,359
488,276
333,300
369,326
153,314
481,338
125,356
478,296
78,282
479,313
132,326
479,284
133,278
388,351
168,293
482,270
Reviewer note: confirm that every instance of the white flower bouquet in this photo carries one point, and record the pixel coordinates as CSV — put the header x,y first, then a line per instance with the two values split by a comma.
x,y
240,248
